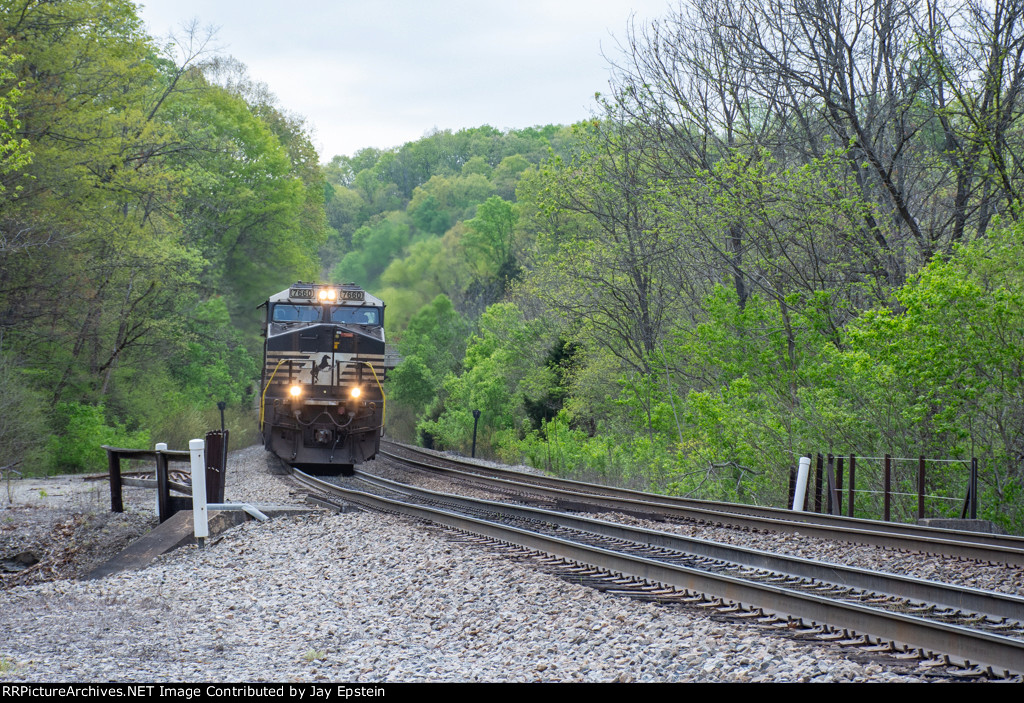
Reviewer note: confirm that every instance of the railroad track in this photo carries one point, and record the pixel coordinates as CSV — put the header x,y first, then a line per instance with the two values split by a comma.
x,y
981,547
924,619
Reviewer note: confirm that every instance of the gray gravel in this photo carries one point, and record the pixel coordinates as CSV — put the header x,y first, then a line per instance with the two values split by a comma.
x,y
367,597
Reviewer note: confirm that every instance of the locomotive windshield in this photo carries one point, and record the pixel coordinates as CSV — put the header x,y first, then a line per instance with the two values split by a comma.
x,y
355,316
344,314
296,313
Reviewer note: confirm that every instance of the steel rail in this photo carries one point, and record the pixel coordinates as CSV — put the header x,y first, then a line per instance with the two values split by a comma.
x,y
1014,541
1000,653
969,545
960,597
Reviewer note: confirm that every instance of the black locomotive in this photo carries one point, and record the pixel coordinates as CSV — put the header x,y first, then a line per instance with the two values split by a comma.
x,y
322,395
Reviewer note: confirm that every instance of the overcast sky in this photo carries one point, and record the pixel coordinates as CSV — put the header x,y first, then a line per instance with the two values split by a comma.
x,y
384,72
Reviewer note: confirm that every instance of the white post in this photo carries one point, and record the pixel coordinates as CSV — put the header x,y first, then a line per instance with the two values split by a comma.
x,y
197,447
801,483
160,447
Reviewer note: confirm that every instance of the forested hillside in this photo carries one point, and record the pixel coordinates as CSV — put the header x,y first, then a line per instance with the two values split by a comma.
x,y
141,189
792,227
789,227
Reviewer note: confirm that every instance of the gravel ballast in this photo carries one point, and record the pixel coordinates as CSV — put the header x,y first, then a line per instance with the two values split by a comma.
x,y
371,598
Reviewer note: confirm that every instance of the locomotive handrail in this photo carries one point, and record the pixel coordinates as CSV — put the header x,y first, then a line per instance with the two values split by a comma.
x,y
383,399
263,396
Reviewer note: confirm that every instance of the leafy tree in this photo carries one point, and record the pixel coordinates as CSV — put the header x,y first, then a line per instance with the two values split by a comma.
x,y
85,430
477,164
424,273
342,207
215,365
952,352
246,199
150,190
21,412
15,152
99,250
507,173
490,244
500,369
608,262
429,215
373,246
432,345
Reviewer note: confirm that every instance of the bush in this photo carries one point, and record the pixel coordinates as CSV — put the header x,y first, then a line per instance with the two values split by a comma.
x,y
80,432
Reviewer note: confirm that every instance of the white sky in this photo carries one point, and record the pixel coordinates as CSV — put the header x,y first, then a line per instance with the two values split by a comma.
x,y
379,73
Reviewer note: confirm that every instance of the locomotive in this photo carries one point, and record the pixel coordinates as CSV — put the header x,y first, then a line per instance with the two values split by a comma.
x,y
322,395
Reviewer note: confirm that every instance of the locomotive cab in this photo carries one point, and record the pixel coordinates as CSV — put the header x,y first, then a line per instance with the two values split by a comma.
x,y
322,396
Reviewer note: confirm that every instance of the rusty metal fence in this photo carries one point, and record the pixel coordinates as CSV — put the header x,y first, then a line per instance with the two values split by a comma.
x,y
834,475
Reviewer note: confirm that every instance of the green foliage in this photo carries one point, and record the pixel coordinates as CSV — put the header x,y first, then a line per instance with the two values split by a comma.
x,y
245,200
437,183
21,412
632,461
431,346
607,258
506,175
429,215
216,365
437,334
373,246
952,353
500,368
82,430
15,151
412,383
149,189
477,164
490,241
425,272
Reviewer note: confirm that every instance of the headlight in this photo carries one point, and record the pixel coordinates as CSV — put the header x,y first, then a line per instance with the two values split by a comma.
x,y
327,294
295,391
355,392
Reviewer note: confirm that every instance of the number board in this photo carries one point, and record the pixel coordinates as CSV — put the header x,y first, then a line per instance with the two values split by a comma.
x,y
350,295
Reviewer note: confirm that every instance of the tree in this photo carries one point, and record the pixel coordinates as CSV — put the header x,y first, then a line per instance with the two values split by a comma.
x,y
609,264
21,413
500,368
373,246
490,243
432,346
150,190
15,152
100,262
975,53
954,353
